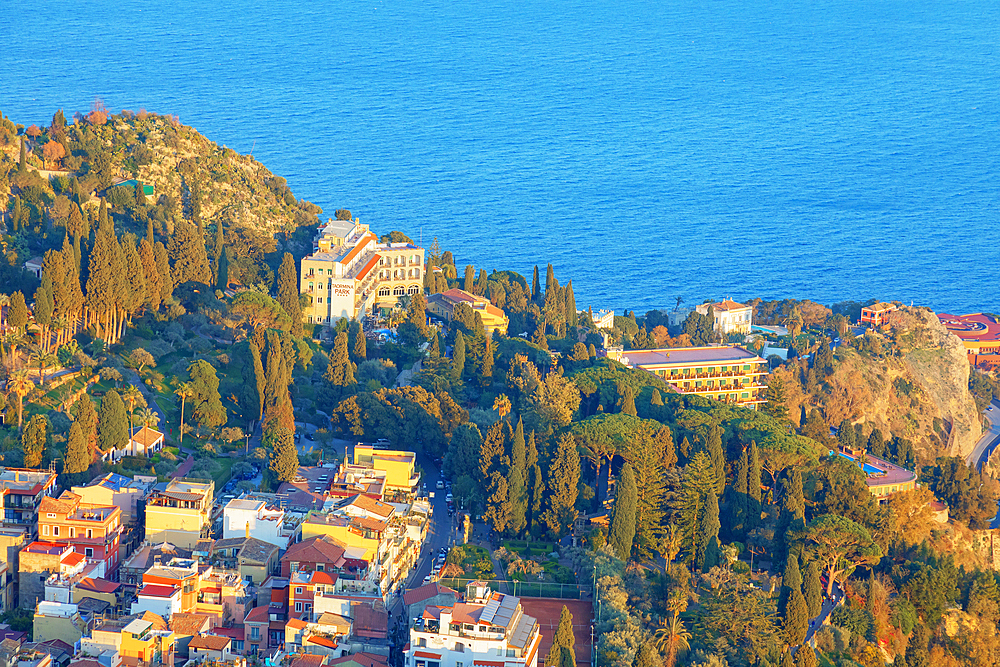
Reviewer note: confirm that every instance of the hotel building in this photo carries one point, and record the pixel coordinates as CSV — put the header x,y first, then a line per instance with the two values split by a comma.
x,y
444,304
723,372
350,273
980,334
730,317
489,629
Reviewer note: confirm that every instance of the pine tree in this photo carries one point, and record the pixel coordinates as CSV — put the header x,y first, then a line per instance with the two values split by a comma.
x,y
563,653
516,482
534,285
77,452
813,592
796,623
628,402
340,370
697,484
189,260
718,457
33,441
647,656
623,513
360,348
17,312
287,286
283,462
564,476
458,358
112,423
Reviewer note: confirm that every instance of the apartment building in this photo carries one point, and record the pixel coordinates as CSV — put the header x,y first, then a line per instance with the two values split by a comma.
x,y
444,304
722,372
21,490
251,516
180,512
400,468
350,273
730,317
92,530
185,586
114,489
489,628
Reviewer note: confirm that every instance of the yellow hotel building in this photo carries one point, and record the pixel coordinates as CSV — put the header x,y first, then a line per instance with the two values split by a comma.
x,y
399,467
724,372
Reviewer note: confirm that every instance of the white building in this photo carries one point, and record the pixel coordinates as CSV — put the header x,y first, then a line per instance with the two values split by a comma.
x,y
487,629
243,517
164,601
730,317
350,274
604,319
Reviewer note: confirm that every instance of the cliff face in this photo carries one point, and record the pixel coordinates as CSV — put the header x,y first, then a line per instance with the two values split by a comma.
x,y
916,389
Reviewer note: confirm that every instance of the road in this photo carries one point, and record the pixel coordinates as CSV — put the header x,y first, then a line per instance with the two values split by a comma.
x,y
981,453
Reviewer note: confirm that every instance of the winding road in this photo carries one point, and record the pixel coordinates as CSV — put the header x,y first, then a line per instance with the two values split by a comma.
x,y
991,437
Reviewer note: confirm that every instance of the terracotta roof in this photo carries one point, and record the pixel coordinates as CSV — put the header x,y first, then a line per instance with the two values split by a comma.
x,y
321,549
98,585
189,624
233,633
426,592
369,504
155,619
154,590
307,660
73,558
324,578
52,505
466,613
369,524
296,623
728,304
370,619
362,659
210,642
147,436
258,615
321,641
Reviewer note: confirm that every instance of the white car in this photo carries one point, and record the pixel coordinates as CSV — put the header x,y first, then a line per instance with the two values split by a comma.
x,y
440,485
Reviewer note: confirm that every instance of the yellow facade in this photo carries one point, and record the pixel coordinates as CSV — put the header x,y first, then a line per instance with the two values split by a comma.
x,y
178,514
344,534
399,466
148,645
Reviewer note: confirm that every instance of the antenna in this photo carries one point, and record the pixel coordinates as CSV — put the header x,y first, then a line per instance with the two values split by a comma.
x,y
253,147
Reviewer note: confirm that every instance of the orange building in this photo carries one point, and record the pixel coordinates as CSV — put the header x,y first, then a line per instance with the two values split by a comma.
x,y
877,314
92,530
980,333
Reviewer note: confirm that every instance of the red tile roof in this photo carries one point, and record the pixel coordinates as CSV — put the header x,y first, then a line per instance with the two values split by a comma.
x,y
210,642
153,590
308,660
425,592
363,659
322,641
258,615
322,549
370,620
99,585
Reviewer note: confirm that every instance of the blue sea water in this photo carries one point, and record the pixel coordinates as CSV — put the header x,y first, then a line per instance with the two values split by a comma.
x,y
699,148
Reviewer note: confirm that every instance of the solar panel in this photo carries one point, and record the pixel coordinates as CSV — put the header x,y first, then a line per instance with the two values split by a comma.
x,y
489,611
506,611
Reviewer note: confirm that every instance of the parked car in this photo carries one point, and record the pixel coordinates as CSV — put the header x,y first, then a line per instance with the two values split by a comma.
x,y
440,485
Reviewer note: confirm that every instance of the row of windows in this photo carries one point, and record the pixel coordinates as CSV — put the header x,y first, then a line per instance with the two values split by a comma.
x,y
72,531
399,290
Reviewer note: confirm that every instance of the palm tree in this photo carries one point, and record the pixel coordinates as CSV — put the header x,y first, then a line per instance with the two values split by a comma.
x,y
41,359
12,339
185,390
4,301
670,546
673,640
21,385
131,395
149,418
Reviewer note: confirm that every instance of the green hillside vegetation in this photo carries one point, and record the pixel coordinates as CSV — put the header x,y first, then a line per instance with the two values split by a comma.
x,y
712,531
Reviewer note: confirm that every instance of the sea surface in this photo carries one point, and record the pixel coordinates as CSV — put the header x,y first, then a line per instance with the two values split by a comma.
x,y
829,150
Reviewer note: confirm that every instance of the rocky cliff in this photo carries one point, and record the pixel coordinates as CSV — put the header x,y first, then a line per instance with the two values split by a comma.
x,y
910,381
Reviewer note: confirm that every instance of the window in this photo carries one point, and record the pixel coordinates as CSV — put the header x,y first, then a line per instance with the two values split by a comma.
x,y
238,644
458,664
55,531
50,515
413,289
309,606
399,291
88,552
510,653
500,652
319,567
90,532
45,530
298,590
459,647
255,632
72,531
422,642
298,606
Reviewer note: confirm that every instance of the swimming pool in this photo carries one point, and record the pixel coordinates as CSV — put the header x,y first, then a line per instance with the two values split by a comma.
x,y
867,467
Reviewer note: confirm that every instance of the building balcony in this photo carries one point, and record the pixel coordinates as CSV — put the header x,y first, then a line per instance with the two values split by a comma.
x,y
720,388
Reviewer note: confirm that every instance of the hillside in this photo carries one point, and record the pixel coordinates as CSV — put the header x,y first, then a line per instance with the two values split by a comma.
x,y
194,179
911,382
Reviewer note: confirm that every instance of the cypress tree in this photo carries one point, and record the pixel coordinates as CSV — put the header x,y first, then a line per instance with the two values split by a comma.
x,y
112,423
86,417
163,269
340,370
647,656
876,443
870,597
564,476
796,623
563,653
17,312
486,367
669,451
628,402
791,579
655,404
15,218
536,484
713,555
458,358
149,232
77,452
787,660
208,409
288,292
283,462
361,346
22,160
806,657
417,314
33,441
222,275
256,385
77,253
189,260
44,307
709,527
434,351
714,447
534,285
135,276
813,592
470,276
480,286
572,318
685,447
591,350
154,284
550,280
739,504
845,434
219,246
622,530
516,481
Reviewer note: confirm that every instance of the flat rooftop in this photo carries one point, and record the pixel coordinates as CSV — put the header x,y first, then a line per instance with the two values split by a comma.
x,y
688,355
976,327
